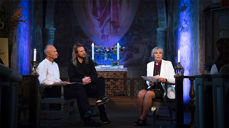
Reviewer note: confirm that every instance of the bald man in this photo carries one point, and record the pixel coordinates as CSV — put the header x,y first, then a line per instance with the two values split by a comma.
x,y
48,70
49,74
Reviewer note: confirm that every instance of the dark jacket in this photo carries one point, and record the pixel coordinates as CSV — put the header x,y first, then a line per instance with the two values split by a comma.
x,y
77,73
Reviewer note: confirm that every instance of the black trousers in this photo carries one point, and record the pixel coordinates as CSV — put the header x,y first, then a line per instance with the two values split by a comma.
x,y
96,89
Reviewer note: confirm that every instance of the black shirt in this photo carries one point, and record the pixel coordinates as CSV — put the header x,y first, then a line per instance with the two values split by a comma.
x,y
77,73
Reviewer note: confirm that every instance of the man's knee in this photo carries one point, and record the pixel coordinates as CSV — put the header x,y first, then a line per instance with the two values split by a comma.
x,y
74,91
74,87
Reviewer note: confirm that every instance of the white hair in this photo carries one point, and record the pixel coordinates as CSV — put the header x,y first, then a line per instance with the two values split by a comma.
x,y
155,49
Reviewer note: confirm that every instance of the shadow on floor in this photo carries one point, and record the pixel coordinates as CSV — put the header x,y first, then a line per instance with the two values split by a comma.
x,y
122,111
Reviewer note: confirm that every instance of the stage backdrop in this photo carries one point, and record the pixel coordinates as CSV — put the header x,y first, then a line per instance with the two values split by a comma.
x,y
105,21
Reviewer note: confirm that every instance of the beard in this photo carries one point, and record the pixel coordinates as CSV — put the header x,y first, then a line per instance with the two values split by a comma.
x,y
82,57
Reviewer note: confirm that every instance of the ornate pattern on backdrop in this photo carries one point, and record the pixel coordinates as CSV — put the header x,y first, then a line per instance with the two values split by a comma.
x,y
105,21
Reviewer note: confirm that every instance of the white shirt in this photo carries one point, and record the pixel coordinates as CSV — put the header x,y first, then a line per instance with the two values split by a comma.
x,y
48,72
167,72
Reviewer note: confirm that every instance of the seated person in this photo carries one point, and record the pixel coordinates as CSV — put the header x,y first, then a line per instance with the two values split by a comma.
x,y
165,72
223,59
49,74
48,69
82,70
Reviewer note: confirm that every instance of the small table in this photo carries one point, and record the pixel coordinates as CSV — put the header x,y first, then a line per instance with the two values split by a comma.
x,y
115,77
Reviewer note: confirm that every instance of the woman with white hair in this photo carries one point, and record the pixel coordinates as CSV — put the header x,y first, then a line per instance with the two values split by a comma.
x,y
164,72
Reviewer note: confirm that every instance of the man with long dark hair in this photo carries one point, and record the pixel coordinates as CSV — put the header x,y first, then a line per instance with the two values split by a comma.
x,y
82,70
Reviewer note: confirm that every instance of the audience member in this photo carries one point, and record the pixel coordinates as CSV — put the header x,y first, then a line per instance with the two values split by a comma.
x,y
222,59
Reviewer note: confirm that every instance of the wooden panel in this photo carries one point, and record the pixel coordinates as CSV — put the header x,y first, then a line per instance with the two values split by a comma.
x,y
29,106
115,82
212,92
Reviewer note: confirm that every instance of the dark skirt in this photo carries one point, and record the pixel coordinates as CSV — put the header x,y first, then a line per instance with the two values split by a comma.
x,y
158,90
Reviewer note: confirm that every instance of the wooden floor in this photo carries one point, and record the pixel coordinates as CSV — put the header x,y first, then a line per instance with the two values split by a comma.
x,y
121,110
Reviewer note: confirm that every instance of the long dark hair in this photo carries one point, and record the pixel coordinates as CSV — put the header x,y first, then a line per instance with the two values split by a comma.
x,y
75,54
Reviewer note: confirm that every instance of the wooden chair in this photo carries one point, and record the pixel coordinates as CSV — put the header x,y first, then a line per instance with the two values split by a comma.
x,y
28,102
54,104
163,103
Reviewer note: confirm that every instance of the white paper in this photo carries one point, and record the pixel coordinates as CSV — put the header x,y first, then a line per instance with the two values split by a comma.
x,y
151,78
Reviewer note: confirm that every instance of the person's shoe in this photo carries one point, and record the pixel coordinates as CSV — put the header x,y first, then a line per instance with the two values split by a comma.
x,y
140,122
92,123
105,120
105,99
99,102
102,101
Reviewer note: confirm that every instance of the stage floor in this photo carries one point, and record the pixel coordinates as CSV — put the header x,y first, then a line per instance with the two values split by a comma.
x,y
121,110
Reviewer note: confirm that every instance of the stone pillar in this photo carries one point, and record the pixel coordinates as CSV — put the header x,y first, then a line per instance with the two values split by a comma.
x,y
161,37
49,22
50,35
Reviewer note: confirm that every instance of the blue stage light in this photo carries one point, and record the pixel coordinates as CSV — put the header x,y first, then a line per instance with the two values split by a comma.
x,y
24,39
185,41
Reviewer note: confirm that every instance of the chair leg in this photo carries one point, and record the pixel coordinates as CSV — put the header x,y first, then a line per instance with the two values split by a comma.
x,y
154,114
170,114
